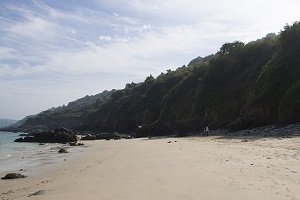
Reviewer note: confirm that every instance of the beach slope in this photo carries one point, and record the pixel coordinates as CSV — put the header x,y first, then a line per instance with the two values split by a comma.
x,y
170,168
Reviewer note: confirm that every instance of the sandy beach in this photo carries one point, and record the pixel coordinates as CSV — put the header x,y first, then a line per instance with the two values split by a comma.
x,y
170,168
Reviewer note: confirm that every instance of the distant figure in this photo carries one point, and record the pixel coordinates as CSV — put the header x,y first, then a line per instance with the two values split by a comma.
x,y
206,131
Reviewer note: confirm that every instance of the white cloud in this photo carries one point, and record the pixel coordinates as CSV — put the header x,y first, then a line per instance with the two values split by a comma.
x,y
7,71
20,71
105,38
73,31
6,53
34,27
152,52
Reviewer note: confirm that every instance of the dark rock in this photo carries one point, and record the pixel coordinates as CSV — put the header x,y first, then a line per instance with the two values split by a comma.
x,y
19,140
56,136
105,136
41,144
89,137
73,144
63,150
13,176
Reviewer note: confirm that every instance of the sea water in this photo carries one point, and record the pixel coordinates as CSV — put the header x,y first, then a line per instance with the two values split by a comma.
x,y
27,157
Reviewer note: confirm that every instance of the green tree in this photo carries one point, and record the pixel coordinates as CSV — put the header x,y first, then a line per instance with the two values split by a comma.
x,y
229,47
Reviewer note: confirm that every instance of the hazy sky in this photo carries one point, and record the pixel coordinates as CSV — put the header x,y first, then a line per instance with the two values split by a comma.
x,y
55,51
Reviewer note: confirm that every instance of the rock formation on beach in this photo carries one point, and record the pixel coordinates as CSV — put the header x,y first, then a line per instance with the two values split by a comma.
x,y
61,135
63,150
13,176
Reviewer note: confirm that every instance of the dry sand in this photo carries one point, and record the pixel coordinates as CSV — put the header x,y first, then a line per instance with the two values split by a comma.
x,y
191,168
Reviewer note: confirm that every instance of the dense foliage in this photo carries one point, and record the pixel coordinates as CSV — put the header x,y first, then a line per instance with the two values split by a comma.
x,y
241,86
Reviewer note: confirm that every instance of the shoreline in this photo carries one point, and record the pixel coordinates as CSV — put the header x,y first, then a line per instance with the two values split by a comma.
x,y
272,130
160,168
40,157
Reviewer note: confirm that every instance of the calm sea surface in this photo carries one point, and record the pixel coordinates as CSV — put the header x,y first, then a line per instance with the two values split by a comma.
x,y
27,157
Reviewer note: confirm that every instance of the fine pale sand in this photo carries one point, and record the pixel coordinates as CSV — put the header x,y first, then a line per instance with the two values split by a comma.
x,y
191,168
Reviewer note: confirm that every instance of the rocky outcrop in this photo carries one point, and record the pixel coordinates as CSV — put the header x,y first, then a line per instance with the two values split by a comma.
x,y
292,130
63,150
13,176
61,135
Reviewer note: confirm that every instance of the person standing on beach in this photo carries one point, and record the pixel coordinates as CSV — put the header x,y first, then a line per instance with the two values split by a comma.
x,y
206,131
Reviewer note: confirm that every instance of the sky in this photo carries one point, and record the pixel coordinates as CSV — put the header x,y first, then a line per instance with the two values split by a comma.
x,y
53,52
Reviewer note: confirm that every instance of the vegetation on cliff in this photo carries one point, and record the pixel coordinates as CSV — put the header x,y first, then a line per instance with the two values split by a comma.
x,y
241,86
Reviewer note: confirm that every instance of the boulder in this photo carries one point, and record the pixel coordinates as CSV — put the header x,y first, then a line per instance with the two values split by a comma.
x,y
13,176
63,150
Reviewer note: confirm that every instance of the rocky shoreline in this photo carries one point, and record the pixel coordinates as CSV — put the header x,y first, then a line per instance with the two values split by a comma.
x,y
63,135
265,131
67,136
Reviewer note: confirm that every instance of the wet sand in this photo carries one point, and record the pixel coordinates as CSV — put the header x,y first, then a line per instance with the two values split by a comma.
x,y
184,168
